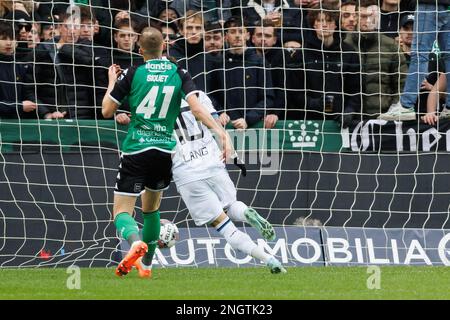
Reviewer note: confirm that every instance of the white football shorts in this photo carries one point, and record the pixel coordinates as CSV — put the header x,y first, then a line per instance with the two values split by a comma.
x,y
207,198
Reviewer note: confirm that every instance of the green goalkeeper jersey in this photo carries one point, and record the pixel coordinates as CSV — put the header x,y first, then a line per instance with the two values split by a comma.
x,y
154,91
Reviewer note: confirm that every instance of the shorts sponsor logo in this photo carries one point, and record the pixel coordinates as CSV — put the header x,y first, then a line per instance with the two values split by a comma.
x,y
160,185
137,187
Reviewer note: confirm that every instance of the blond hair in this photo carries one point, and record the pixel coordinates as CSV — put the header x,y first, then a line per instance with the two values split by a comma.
x,y
151,41
8,6
194,15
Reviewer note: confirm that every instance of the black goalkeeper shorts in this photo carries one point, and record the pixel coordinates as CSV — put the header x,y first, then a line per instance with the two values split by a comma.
x,y
151,169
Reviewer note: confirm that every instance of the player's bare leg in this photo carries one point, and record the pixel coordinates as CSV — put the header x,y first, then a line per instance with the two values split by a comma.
x,y
128,229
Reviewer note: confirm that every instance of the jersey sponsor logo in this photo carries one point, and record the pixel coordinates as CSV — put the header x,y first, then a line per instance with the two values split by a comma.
x,y
159,128
156,127
195,154
154,140
143,132
157,78
159,67
152,137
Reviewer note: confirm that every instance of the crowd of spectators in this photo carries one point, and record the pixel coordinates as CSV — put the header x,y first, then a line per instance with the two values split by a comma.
x,y
258,60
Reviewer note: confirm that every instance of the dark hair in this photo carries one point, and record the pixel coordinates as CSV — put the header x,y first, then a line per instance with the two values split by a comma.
x,y
366,3
261,23
233,22
329,13
266,23
168,8
331,4
119,5
6,30
348,2
214,27
122,23
87,14
63,17
172,25
139,24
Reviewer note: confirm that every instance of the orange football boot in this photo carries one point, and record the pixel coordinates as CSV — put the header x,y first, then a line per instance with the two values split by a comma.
x,y
137,250
144,271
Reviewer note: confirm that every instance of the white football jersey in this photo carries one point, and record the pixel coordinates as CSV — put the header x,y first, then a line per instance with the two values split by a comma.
x,y
197,155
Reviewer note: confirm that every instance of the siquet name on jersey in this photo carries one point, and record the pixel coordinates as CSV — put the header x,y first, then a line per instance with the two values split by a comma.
x,y
157,78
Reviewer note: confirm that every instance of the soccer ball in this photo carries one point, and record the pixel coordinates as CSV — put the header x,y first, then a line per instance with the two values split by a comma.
x,y
168,235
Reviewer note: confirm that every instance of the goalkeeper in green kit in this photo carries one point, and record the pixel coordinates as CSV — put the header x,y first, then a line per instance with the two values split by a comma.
x,y
154,91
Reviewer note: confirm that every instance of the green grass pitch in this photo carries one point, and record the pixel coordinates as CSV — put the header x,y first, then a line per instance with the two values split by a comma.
x,y
229,283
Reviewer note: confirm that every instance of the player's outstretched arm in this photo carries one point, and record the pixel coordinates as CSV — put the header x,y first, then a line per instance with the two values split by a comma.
x,y
204,116
109,106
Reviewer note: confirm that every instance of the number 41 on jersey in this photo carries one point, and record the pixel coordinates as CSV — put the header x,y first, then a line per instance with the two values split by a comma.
x,y
147,106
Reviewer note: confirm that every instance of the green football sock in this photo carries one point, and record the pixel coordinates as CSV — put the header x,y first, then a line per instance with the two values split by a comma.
x,y
127,227
150,234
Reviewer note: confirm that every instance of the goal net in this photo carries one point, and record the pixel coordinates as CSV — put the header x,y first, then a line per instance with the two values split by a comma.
x,y
341,186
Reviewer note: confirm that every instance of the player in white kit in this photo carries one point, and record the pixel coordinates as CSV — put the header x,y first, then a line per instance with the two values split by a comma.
x,y
207,190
